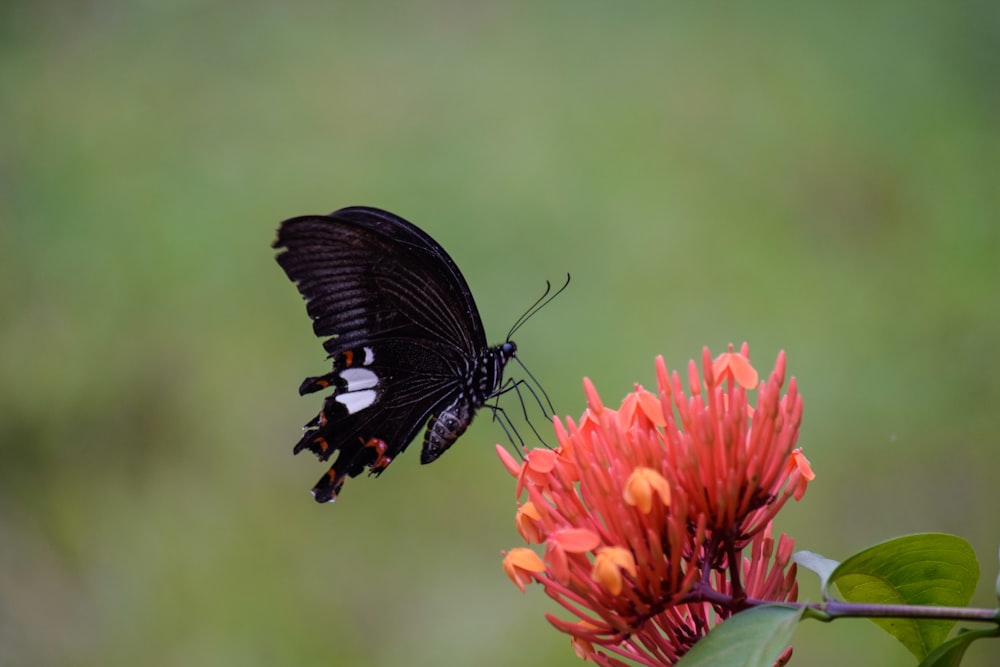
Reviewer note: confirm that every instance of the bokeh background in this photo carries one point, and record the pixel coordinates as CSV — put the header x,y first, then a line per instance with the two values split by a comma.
x,y
819,179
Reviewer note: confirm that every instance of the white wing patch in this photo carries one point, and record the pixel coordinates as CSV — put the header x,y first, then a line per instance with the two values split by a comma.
x,y
356,401
360,391
359,378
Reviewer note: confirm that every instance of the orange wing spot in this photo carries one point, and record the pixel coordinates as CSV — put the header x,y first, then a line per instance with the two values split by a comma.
x,y
336,483
380,465
322,383
323,444
349,358
381,460
378,444
322,419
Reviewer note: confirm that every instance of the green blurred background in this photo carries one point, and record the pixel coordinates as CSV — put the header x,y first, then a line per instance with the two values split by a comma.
x,y
822,179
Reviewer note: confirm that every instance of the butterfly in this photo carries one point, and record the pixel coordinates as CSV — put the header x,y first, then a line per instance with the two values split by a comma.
x,y
403,331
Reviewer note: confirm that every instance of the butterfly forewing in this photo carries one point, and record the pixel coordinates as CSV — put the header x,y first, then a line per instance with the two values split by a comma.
x,y
401,327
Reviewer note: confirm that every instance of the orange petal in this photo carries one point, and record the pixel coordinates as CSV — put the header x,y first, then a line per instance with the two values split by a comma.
x,y
558,561
736,366
566,466
527,523
626,413
541,460
641,485
575,540
651,407
583,649
802,463
798,463
521,565
608,566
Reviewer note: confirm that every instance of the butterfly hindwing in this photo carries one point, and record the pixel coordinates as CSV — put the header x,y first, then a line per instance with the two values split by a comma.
x,y
350,424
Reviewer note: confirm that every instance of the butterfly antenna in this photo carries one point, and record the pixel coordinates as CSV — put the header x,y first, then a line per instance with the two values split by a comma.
x,y
544,300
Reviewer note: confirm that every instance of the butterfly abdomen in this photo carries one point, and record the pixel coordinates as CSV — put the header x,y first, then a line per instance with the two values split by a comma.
x,y
445,428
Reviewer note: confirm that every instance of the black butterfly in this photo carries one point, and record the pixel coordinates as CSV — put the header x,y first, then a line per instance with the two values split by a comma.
x,y
406,339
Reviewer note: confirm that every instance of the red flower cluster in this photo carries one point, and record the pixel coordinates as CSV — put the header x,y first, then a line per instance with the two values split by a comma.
x,y
644,512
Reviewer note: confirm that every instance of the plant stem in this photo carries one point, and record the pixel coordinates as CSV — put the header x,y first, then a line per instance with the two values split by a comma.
x,y
834,609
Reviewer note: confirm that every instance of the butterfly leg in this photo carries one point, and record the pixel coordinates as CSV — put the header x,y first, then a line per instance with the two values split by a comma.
x,y
515,386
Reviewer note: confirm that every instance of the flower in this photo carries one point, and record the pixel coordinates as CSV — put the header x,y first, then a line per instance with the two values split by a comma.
x,y
644,512
640,487
736,473
522,565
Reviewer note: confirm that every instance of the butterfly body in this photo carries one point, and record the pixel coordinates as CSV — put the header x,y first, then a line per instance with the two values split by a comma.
x,y
403,331
445,426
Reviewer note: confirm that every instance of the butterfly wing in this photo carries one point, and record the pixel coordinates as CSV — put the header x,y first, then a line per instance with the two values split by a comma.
x,y
353,265
400,325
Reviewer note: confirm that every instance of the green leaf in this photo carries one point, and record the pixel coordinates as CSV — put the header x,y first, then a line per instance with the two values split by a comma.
x,y
751,638
927,569
949,654
821,565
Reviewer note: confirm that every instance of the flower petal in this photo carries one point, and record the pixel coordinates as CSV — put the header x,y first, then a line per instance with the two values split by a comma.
x,y
650,405
583,649
641,485
527,523
521,565
576,540
737,367
608,566
540,460
800,461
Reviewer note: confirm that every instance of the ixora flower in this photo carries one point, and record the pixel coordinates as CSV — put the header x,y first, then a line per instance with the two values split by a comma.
x,y
642,514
